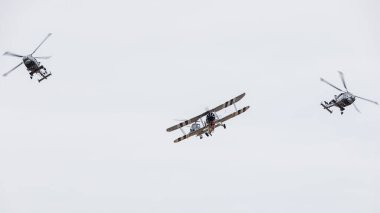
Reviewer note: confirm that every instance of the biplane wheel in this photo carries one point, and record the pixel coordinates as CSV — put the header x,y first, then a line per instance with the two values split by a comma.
x,y
206,134
224,126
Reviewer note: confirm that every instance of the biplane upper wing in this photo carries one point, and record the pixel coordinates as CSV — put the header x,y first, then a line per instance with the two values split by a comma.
x,y
196,118
227,103
196,132
233,114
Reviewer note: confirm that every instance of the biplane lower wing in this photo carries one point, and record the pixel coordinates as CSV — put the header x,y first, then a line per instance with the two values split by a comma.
x,y
196,118
233,114
196,132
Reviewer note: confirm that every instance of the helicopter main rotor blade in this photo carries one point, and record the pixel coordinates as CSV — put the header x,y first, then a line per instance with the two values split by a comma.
x,y
5,74
13,54
357,109
367,100
323,80
342,78
41,43
43,57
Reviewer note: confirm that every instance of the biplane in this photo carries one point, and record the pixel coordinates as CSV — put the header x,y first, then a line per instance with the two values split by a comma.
x,y
208,121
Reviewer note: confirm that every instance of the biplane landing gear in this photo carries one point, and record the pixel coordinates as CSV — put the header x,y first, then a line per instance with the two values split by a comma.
x,y
201,137
224,126
206,134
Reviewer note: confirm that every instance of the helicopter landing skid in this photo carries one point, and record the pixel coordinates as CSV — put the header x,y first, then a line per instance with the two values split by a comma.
x,y
44,77
325,107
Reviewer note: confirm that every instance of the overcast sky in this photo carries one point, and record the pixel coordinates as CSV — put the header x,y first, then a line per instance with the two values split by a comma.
x,y
92,137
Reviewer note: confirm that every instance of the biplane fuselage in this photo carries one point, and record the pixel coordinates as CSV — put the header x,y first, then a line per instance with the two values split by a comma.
x,y
210,126
210,122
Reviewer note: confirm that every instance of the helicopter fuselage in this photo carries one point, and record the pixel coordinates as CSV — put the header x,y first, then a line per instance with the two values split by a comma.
x,y
341,101
31,63
344,99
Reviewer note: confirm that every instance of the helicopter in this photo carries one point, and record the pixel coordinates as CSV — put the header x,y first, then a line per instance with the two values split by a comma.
x,y
31,63
344,99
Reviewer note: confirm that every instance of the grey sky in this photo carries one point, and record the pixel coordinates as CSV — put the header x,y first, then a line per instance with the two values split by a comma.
x,y
92,138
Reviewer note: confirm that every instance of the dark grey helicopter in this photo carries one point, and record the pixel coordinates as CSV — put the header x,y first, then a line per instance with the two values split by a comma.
x,y
31,63
344,99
